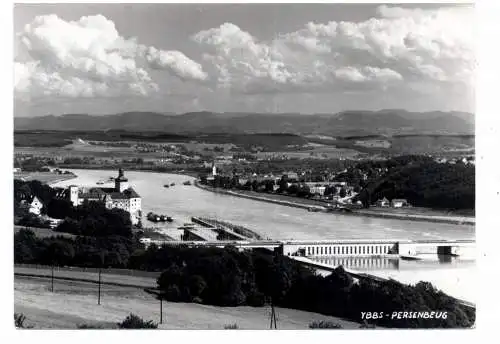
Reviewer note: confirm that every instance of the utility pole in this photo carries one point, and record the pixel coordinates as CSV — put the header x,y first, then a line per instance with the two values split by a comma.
x,y
99,288
161,310
52,279
273,317
101,263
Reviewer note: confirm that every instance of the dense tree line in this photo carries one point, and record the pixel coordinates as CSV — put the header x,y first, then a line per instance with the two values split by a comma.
x,y
230,278
92,219
31,220
111,251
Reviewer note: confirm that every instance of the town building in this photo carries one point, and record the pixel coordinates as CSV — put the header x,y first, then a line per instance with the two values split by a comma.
x,y
32,205
399,203
384,202
122,196
316,189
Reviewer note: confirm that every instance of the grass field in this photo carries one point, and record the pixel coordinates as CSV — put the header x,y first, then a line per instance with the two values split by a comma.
x,y
75,303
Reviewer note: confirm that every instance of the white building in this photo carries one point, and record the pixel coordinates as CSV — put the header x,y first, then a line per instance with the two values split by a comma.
x,y
33,205
317,189
399,203
122,196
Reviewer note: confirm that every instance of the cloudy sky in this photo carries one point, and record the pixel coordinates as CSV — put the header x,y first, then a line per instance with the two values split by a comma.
x,y
108,58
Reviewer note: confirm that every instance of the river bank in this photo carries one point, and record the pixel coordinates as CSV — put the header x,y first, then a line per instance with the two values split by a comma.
x,y
306,204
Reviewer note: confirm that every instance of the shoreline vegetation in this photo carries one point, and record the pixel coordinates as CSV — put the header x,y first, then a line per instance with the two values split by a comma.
x,y
306,205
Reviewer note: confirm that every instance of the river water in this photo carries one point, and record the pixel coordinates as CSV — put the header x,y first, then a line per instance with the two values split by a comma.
x,y
282,222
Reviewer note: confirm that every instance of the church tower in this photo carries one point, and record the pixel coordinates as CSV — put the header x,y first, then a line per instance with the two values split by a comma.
x,y
73,194
214,170
121,183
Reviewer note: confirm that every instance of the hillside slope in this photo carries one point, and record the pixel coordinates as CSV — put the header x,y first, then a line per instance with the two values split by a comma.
x,y
384,122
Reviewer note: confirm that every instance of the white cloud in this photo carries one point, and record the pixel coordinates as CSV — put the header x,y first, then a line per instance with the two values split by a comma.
x,y
401,51
350,74
87,58
175,61
398,47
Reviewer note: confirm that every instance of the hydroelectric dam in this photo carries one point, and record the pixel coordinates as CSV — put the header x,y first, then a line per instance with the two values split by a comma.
x,y
342,248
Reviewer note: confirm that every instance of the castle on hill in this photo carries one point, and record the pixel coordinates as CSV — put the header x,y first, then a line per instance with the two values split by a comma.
x,y
122,196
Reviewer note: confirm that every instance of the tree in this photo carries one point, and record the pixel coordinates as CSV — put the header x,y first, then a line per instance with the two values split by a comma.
x,y
365,198
69,226
59,252
255,185
292,189
196,285
269,185
135,322
303,191
283,184
329,190
25,246
60,208
342,193
19,320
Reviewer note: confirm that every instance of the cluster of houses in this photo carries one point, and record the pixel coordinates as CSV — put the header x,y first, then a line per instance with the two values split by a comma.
x,y
466,160
315,188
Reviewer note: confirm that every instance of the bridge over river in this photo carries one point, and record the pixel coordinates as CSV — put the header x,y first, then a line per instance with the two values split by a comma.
x,y
332,248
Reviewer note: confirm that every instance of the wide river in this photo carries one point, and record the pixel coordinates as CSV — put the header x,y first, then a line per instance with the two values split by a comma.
x,y
282,222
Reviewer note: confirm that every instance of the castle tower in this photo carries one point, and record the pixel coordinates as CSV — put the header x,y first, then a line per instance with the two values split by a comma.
x,y
73,194
121,183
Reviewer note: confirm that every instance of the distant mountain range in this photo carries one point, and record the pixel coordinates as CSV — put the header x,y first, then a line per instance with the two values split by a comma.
x,y
384,122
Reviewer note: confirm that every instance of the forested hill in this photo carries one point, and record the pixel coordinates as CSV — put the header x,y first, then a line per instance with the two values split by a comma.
x,y
425,183
345,123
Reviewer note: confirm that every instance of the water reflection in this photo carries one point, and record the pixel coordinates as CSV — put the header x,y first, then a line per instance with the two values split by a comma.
x,y
394,263
360,263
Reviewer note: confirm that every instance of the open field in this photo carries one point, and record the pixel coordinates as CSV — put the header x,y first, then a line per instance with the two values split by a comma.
x,y
75,303
373,143
318,152
332,147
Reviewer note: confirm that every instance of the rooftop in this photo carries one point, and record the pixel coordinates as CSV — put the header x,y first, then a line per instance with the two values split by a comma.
x,y
100,193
